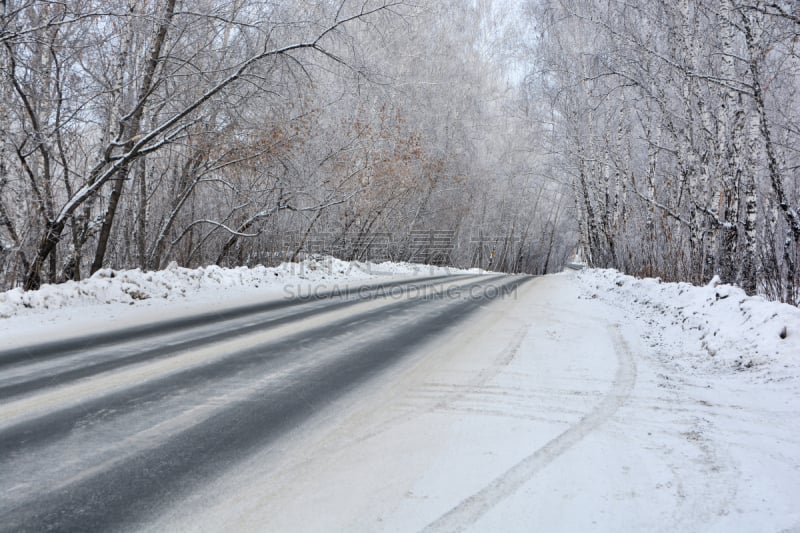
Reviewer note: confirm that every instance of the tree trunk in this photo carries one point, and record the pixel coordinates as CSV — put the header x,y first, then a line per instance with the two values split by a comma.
x,y
131,128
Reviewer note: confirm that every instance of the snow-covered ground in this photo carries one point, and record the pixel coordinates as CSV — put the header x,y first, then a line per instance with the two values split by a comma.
x,y
718,381
590,401
715,329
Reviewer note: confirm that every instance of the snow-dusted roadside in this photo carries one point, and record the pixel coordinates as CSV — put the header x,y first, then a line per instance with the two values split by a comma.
x,y
109,286
716,401
126,298
716,329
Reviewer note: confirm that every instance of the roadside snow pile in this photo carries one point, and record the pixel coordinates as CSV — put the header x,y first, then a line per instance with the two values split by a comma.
x,y
130,286
715,328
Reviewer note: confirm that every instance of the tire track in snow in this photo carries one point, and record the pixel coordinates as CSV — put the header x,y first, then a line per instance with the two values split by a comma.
x,y
442,400
475,506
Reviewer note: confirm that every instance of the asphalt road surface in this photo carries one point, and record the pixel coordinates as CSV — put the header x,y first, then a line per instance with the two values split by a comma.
x,y
105,430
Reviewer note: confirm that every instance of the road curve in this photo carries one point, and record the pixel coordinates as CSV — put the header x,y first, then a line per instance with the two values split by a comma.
x,y
104,431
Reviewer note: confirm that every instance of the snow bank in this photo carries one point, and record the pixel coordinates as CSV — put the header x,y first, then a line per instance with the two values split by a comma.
x,y
716,328
129,286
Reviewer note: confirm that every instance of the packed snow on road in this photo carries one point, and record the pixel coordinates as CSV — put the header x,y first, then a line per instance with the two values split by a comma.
x,y
584,401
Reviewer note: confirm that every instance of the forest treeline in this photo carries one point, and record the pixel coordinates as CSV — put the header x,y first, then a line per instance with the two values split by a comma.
x,y
678,125
140,132
656,137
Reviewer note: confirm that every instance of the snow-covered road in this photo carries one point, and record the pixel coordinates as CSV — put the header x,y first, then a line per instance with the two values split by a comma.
x,y
545,412
464,403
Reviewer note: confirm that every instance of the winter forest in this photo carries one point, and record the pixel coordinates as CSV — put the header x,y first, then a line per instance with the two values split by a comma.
x,y
657,137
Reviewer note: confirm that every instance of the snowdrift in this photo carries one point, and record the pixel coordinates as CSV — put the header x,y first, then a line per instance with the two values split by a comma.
x,y
129,286
712,328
